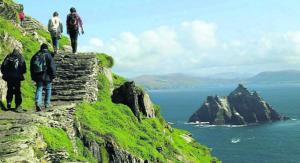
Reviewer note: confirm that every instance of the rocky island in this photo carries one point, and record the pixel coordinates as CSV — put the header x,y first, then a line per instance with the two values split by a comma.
x,y
241,107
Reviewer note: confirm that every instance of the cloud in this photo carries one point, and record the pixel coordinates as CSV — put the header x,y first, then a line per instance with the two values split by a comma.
x,y
195,47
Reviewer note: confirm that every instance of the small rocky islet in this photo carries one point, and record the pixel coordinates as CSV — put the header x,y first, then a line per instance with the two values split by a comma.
x,y
241,107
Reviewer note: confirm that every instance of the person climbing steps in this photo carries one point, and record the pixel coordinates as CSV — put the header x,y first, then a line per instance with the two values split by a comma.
x,y
74,22
55,28
13,69
43,71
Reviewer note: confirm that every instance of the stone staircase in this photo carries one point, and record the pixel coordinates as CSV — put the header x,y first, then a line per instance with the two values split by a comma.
x,y
76,78
31,25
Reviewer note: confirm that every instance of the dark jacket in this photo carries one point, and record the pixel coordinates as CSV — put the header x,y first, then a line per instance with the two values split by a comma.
x,y
12,74
50,72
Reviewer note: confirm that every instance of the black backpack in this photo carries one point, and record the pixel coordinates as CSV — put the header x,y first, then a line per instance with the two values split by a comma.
x,y
39,63
73,22
11,63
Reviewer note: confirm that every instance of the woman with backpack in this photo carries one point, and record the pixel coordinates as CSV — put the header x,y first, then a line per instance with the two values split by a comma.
x,y
13,69
55,28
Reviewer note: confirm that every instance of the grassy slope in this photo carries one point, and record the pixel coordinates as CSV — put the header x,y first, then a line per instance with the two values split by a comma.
x,y
117,121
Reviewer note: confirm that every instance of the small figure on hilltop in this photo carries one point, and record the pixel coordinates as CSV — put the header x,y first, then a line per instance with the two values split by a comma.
x,y
43,71
22,17
73,23
13,69
55,28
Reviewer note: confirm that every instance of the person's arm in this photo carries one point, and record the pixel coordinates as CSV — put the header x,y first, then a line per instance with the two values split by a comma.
x,y
68,32
80,24
24,68
61,27
3,69
51,66
49,25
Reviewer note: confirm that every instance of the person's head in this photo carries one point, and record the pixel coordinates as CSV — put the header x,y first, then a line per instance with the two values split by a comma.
x,y
16,51
55,14
72,10
44,47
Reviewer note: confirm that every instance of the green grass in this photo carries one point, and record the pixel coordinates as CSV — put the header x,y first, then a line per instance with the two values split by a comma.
x,y
105,60
118,80
56,139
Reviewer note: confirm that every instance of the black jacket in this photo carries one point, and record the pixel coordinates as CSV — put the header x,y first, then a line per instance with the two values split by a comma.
x,y
12,74
50,71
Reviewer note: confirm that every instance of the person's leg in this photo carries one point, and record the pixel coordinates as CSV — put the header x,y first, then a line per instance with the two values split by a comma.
x,y
9,94
54,43
38,95
75,41
48,94
72,40
74,37
17,92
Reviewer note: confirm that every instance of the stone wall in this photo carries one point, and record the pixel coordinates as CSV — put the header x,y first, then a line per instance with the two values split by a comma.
x,y
76,78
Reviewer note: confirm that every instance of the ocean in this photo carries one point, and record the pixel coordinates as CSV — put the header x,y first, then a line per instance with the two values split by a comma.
x,y
277,142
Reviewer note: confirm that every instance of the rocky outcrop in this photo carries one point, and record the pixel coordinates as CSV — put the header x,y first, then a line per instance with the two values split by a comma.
x,y
76,78
138,101
10,42
241,107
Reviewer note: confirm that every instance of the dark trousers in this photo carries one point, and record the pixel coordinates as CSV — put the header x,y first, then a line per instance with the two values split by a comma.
x,y
74,37
14,88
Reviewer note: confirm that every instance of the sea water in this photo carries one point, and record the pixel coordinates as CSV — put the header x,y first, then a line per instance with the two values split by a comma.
x,y
277,142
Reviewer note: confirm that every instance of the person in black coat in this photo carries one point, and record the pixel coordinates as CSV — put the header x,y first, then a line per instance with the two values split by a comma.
x,y
13,69
44,77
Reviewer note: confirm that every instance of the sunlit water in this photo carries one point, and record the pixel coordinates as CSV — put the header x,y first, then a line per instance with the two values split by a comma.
x,y
268,143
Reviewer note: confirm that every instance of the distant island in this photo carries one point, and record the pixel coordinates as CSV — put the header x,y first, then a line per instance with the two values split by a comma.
x,y
183,81
241,107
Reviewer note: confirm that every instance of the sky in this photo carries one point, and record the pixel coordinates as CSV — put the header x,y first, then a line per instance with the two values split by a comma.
x,y
199,37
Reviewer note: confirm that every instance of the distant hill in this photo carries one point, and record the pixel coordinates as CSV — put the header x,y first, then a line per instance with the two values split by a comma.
x,y
171,81
276,77
181,81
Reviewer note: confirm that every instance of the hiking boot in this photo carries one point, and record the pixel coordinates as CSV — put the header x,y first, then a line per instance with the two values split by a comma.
x,y
38,109
8,106
48,109
19,109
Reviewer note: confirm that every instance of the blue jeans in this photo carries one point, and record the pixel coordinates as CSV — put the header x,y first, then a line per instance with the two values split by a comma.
x,y
39,93
55,42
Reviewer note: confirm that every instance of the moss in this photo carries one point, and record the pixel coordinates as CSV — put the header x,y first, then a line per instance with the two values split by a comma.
x,y
56,139
118,80
105,60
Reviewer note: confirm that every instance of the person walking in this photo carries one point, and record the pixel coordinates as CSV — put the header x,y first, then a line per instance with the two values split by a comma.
x,y
55,28
43,71
74,22
21,17
13,69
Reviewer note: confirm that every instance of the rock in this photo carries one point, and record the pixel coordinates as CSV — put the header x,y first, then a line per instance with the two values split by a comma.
x,y
9,11
241,107
138,101
3,88
11,42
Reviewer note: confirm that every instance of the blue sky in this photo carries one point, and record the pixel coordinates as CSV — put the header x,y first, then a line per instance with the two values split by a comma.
x,y
192,36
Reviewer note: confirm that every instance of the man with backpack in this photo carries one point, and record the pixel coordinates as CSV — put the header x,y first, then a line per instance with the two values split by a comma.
x,y
73,23
43,71
56,29
13,69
